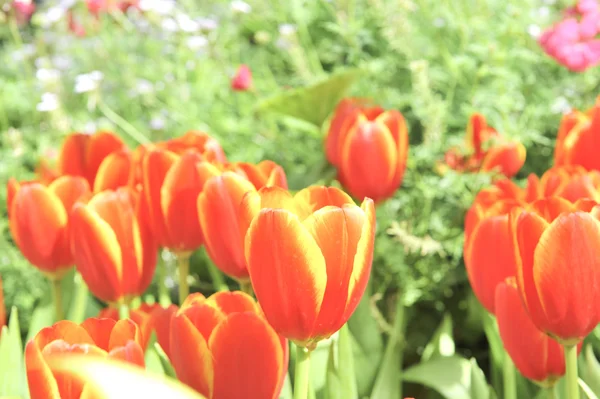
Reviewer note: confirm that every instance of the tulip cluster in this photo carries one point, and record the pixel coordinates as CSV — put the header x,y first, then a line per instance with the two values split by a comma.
x,y
107,210
486,151
533,254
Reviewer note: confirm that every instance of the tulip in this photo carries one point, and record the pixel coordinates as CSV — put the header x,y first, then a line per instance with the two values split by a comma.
x,y
488,253
369,150
223,348
24,9
101,338
557,250
40,222
112,245
141,317
536,355
83,155
160,324
316,248
578,138
208,147
242,80
570,182
218,208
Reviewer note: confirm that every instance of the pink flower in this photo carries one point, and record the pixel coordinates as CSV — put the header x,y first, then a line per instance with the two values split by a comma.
x,y
242,80
23,10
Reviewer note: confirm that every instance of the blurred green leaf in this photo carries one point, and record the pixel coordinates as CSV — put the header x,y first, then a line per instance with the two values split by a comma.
x,y
590,368
586,389
164,360
79,300
442,342
341,380
450,376
153,361
13,380
43,316
312,103
479,386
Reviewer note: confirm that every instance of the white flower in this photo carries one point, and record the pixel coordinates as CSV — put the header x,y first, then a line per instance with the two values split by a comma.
x,y
157,123
207,24
197,42
187,24
24,52
90,127
144,86
543,12
47,75
88,81
240,7
534,31
560,106
170,25
287,29
48,103
162,7
62,62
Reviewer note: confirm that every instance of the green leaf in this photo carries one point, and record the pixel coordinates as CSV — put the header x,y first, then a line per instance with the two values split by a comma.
x,y
497,353
152,359
479,386
318,367
586,389
313,103
43,316
387,384
79,300
442,342
590,372
164,360
341,382
450,376
368,344
13,380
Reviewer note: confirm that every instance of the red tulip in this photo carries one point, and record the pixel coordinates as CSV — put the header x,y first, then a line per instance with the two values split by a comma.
x,y
160,323
224,348
369,149
488,253
84,155
94,337
112,245
536,355
218,208
571,182
309,258
40,223
205,145
579,138
557,251
242,80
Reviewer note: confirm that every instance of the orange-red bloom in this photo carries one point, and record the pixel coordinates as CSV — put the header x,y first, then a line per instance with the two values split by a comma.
x,y
486,150
536,355
196,140
369,148
309,258
557,251
85,155
218,208
224,348
112,245
39,221
488,253
570,182
94,337
579,139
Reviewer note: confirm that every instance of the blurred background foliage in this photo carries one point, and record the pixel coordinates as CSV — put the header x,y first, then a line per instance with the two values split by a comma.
x,y
158,73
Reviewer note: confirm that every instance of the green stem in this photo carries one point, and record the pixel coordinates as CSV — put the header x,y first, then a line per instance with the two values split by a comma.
x,y
550,393
123,311
246,286
122,123
302,377
57,296
509,377
571,376
77,310
183,264
217,278
163,292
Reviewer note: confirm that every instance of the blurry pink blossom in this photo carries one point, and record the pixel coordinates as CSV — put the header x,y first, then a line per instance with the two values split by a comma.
x,y
242,80
24,9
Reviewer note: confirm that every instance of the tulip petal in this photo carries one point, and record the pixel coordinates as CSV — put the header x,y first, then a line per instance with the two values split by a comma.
x,y
130,352
69,189
190,356
566,272
97,253
507,158
65,330
99,330
218,208
160,321
72,158
233,302
337,232
123,332
550,208
41,381
204,317
113,172
178,200
287,270
266,197
248,358
100,146
317,197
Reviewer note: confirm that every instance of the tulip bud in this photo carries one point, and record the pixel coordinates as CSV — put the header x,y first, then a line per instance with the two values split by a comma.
x,y
94,337
112,245
40,224
224,348
578,138
309,258
242,80
369,147
557,251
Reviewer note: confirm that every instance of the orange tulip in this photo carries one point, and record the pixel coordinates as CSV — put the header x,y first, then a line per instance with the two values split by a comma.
x,y
84,154
2,308
40,223
570,182
536,355
218,208
579,138
488,254
160,323
224,348
112,245
94,337
557,251
506,157
369,150
309,258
